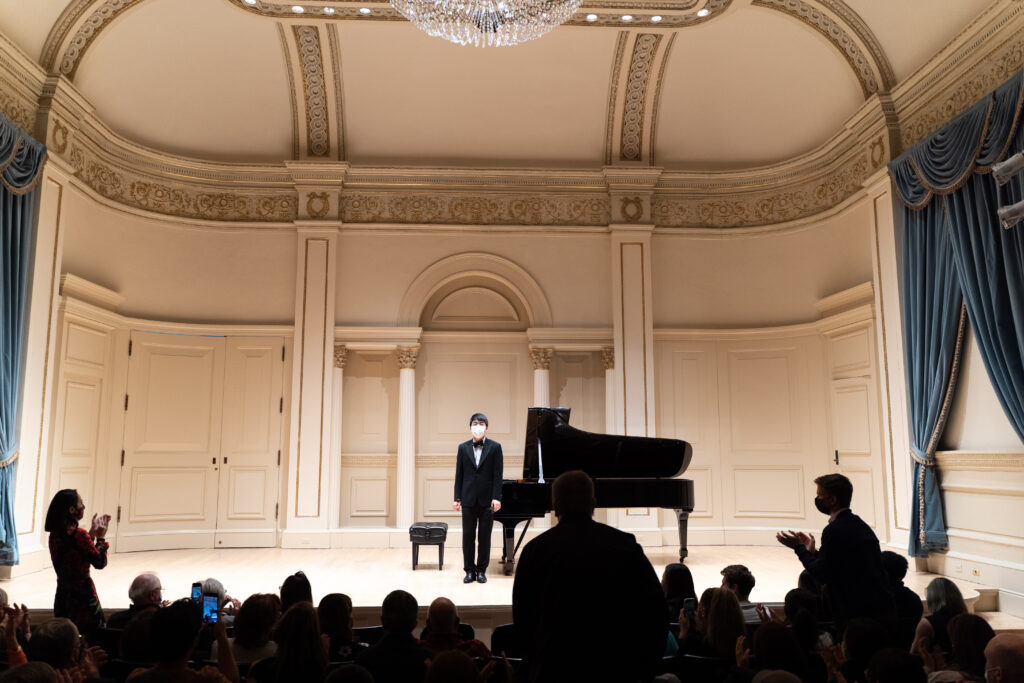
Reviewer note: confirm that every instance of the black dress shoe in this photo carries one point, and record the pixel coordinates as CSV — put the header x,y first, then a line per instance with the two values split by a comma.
x,y
480,578
470,577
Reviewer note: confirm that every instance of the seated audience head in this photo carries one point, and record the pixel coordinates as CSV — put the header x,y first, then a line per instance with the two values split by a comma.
x,y
137,643
943,594
775,676
62,513
895,665
677,582
968,635
175,630
55,642
442,617
808,582
398,612
33,672
800,609
452,666
1004,659
862,639
834,493
776,647
300,652
724,622
296,588
739,580
350,673
572,496
212,586
703,605
895,566
335,614
146,590
255,620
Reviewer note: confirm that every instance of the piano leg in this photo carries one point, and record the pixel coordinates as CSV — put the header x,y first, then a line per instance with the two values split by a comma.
x,y
508,546
683,517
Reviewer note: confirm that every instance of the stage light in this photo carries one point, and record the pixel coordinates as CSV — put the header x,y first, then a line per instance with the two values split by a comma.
x,y
1005,170
1010,215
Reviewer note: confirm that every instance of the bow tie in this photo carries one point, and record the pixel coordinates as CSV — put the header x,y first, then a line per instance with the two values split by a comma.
x,y
478,444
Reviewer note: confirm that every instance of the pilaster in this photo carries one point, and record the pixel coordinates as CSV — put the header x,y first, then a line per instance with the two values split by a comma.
x,y
406,493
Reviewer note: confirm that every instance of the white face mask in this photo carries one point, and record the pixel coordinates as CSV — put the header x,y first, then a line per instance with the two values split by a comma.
x,y
478,431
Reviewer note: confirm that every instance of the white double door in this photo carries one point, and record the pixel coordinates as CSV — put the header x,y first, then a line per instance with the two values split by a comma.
x,y
202,439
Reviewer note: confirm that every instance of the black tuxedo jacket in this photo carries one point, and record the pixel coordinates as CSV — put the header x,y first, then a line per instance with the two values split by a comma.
x,y
478,486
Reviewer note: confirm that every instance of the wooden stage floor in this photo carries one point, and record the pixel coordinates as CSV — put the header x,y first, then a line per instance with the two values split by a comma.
x,y
368,575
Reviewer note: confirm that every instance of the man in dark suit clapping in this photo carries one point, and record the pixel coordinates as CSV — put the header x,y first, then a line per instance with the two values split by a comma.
x,y
478,470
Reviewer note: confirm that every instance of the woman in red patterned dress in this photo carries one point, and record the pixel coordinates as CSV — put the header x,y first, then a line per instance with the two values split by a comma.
x,y
72,550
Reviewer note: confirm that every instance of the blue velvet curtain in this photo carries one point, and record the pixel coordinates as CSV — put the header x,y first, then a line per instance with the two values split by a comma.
x,y
21,163
955,249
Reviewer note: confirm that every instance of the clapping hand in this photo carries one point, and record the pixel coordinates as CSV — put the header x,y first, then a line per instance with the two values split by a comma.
x,y
794,539
742,652
98,529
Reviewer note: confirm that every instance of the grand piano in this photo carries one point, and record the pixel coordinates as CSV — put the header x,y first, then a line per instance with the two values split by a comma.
x,y
628,471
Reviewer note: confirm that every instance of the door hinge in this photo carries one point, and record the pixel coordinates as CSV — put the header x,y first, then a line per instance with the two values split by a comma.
x,y
282,354
278,457
122,457
129,347
837,456
280,405
277,508
118,514
126,401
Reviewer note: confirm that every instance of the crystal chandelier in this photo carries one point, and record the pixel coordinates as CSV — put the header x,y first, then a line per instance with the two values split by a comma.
x,y
487,23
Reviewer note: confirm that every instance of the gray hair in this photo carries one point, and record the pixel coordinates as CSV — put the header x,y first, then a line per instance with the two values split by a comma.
x,y
54,642
143,585
214,587
3,598
942,592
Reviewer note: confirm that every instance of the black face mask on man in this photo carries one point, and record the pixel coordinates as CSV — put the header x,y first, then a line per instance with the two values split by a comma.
x,y
820,504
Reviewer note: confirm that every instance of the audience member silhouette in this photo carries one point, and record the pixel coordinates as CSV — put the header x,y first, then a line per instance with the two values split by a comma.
x,y
175,630
862,639
906,602
677,582
442,632
254,625
740,581
944,602
586,599
296,588
895,665
300,651
721,626
969,634
452,666
1004,659
145,593
397,657
335,613
849,561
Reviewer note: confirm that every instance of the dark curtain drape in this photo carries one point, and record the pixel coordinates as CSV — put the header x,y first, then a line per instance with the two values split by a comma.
x,y
21,163
955,249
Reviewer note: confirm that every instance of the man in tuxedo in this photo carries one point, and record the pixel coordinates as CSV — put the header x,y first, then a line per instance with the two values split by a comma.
x,y
849,561
478,470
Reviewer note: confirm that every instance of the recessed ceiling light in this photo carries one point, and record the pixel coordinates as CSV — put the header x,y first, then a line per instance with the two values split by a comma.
x,y
627,17
364,10
298,9
656,18
591,17
328,10
703,12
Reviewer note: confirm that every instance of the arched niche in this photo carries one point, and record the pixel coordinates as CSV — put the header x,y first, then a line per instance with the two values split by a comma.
x,y
475,291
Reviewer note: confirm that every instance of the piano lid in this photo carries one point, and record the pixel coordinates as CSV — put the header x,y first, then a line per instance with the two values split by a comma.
x,y
611,456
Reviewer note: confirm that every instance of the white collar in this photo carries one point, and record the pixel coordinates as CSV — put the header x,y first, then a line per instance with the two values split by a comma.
x,y
832,517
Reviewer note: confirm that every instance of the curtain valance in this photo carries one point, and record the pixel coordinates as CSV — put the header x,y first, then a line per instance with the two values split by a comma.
x,y
968,144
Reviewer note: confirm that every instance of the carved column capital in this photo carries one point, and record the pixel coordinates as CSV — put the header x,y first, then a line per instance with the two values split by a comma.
x,y
340,356
608,357
407,357
541,358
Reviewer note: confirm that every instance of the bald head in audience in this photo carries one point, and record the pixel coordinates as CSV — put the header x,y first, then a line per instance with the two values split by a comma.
x,y
442,617
1004,659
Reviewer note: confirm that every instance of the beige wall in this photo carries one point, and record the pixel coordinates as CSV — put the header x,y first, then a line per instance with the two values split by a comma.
x,y
169,270
756,280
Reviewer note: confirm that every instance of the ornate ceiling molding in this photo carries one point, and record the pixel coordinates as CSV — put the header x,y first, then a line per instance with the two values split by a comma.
x,y
474,208
76,29
312,58
874,73
673,13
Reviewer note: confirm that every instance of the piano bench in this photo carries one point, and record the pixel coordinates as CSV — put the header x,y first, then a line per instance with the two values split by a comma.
x,y
428,533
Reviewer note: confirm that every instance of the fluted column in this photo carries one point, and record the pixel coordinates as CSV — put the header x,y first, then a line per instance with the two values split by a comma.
x,y
541,376
406,506
608,361
337,375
